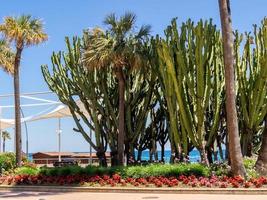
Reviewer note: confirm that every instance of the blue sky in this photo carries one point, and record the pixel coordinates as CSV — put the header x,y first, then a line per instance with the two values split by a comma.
x,y
69,17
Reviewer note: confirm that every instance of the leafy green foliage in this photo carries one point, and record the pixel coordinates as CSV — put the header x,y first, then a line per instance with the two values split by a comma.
x,y
220,169
26,171
7,161
249,164
134,171
166,170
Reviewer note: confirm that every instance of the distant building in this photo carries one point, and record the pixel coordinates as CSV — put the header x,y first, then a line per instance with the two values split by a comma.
x,y
46,158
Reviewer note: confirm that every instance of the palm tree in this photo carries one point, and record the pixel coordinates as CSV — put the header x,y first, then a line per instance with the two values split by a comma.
x,y
6,56
5,136
24,31
236,159
118,47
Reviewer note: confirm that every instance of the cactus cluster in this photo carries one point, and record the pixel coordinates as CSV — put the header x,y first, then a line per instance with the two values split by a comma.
x,y
177,96
251,74
190,64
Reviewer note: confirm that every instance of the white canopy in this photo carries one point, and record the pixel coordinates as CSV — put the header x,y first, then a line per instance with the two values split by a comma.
x,y
60,111
6,123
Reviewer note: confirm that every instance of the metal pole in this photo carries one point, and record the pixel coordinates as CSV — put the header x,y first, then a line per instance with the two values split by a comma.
x,y
27,136
59,139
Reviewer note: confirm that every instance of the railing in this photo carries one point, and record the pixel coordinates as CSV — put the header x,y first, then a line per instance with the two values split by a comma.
x,y
47,161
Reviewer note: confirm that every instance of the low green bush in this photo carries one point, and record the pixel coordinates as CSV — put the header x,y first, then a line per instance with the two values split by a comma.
x,y
249,164
220,169
7,162
26,171
133,171
166,170
62,171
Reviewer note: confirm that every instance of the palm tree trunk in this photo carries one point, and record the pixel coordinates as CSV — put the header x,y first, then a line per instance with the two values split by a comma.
x,y
121,134
17,107
4,145
237,166
261,164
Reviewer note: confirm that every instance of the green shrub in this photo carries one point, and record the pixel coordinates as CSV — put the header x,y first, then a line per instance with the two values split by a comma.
x,y
249,164
133,171
27,171
7,161
62,171
220,169
166,170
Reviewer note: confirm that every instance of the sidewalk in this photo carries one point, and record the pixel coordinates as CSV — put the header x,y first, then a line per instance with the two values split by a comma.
x,y
119,196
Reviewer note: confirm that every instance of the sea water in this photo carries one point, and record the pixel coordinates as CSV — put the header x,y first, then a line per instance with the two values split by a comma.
x,y
193,155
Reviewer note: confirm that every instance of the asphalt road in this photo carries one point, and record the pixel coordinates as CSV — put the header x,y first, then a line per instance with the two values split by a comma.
x,y
120,196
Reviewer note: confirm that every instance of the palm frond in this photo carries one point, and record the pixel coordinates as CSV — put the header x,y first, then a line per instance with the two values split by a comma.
x,y
111,20
24,30
6,57
127,22
144,31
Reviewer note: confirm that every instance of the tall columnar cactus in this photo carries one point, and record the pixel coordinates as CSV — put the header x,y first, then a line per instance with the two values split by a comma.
x,y
251,70
139,98
190,67
94,90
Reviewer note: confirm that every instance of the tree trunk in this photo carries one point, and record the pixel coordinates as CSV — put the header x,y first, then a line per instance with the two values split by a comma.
x,y
237,166
130,154
114,158
121,135
172,157
261,164
102,158
162,153
209,155
246,143
221,152
203,156
4,145
139,155
150,155
17,107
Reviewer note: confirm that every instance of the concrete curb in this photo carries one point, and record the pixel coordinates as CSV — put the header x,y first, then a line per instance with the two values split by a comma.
x,y
239,191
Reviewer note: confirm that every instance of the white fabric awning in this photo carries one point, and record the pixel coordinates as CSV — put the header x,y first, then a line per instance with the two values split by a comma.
x,y
6,123
60,111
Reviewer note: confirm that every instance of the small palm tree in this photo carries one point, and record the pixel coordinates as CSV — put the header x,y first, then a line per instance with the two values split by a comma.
x,y
119,47
5,136
24,31
6,56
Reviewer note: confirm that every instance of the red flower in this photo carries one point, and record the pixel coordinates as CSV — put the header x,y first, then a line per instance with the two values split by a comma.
x,y
223,185
116,177
247,184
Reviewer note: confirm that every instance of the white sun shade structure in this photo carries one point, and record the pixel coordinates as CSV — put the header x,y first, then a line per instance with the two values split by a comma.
x,y
6,123
59,112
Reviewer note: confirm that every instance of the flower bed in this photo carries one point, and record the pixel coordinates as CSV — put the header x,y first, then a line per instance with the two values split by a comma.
x,y
152,181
